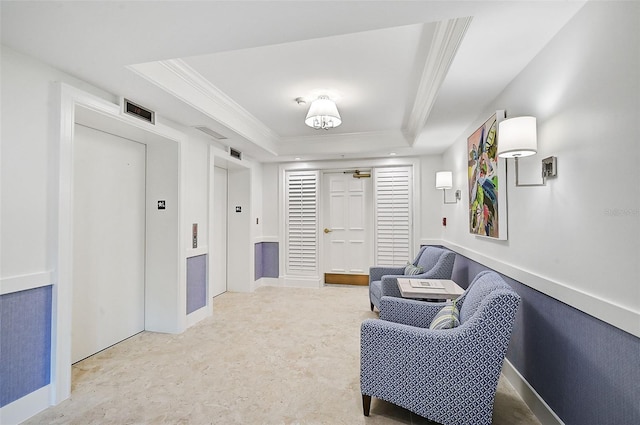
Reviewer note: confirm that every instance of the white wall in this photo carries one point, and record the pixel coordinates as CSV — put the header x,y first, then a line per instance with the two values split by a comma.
x,y
578,237
431,200
163,294
27,141
29,185
196,155
240,265
270,210
257,221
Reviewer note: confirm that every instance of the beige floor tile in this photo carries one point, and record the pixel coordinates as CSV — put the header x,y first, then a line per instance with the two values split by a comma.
x,y
275,356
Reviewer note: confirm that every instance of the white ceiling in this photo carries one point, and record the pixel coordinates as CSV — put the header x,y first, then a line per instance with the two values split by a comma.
x,y
408,76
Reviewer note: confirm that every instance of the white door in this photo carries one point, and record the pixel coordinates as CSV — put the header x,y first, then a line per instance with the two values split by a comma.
x,y
108,240
219,251
347,227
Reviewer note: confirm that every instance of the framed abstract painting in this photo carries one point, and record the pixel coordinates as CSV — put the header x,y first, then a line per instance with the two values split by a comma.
x,y
487,176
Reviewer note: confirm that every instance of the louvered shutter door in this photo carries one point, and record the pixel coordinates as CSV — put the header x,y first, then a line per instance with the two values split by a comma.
x,y
301,222
393,199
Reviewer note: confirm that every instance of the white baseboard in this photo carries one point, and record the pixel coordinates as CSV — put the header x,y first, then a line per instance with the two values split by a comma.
x,y
196,316
531,398
301,282
26,407
267,281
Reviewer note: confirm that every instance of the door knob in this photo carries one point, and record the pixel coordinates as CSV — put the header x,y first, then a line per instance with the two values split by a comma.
x,y
327,230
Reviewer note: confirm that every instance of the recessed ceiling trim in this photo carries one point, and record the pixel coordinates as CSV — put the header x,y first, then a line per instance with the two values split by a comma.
x,y
447,38
210,132
194,78
371,142
178,79
393,137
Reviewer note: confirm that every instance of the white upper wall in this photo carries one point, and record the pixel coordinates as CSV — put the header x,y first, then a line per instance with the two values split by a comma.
x,y
581,231
196,155
28,107
270,189
431,200
28,176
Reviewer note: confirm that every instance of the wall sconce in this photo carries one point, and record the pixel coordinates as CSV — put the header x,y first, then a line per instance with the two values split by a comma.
x,y
517,137
444,181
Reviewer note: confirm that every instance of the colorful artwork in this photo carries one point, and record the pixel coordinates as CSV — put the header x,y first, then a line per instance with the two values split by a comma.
x,y
487,211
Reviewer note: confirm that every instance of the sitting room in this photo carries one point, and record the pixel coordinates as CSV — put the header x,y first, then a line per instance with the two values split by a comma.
x,y
318,212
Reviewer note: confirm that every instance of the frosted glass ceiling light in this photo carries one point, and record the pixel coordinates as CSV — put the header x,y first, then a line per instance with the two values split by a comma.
x,y
518,137
323,114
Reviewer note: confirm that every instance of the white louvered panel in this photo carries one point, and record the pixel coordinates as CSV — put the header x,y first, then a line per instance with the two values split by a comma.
x,y
393,215
301,222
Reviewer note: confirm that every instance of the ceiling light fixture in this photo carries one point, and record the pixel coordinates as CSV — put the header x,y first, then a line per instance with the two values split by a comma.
x,y
323,114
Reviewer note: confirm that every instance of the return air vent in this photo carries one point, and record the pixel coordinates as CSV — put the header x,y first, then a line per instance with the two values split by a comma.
x,y
235,154
138,111
210,132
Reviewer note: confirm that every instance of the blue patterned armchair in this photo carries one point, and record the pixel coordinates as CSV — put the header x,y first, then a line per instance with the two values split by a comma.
x,y
448,376
436,263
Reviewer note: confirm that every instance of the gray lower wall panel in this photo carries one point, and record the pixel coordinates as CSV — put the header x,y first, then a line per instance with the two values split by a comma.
x,y
266,257
586,370
196,282
25,342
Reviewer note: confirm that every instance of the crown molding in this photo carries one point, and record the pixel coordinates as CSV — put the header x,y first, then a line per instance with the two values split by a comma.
x,y
446,41
245,123
185,83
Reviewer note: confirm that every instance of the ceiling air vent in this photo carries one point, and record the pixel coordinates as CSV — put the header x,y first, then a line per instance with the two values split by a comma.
x,y
210,132
138,111
235,154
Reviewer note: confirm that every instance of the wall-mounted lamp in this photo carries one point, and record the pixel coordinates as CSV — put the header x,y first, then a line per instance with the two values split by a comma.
x,y
444,181
517,137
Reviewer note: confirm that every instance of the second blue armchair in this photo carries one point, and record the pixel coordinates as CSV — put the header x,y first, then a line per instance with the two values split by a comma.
x,y
436,263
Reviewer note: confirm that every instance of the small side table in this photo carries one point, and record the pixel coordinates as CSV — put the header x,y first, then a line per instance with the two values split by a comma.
x,y
436,289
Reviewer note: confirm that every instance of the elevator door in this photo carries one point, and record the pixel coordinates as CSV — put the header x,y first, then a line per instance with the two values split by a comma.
x,y
108,239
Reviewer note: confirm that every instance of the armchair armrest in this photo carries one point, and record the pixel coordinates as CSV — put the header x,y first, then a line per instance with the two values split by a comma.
x,y
408,312
376,272
389,286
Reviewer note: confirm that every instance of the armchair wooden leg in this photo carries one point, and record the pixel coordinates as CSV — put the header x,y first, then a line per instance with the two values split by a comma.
x,y
366,404
371,306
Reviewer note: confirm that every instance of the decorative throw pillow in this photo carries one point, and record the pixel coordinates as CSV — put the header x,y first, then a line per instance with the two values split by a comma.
x,y
412,270
447,318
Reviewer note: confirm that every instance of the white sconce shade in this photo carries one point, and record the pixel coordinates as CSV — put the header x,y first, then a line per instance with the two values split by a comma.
x,y
323,114
517,137
444,180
